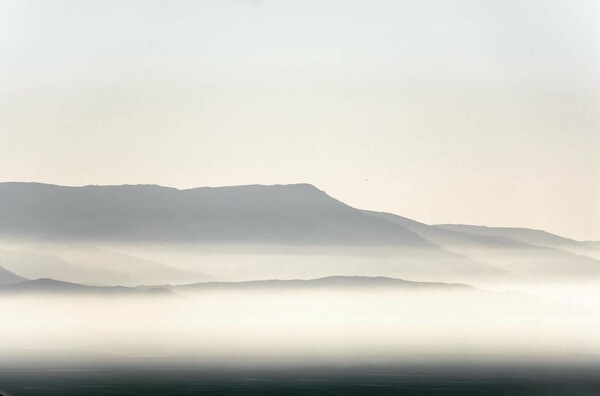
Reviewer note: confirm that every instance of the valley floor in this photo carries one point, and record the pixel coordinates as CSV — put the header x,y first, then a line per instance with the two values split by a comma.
x,y
452,380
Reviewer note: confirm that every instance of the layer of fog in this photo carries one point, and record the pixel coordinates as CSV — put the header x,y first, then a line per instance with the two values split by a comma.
x,y
343,326
160,264
243,263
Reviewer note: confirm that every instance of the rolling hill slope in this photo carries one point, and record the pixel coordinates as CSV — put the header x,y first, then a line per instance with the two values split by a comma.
x,y
526,260
530,236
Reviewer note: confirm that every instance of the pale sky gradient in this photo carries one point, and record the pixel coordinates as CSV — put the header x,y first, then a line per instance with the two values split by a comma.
x,y
481,112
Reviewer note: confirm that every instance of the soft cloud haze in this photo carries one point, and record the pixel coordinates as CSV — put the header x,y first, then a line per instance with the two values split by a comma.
x,y
443,111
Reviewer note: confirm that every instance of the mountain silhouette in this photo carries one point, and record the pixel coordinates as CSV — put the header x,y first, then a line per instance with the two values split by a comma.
x,y
51,286
527,257
289,214
529,236
47,286
326,283
8,277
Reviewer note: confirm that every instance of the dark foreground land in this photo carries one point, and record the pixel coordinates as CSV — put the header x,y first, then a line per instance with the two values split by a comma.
x,y
407,381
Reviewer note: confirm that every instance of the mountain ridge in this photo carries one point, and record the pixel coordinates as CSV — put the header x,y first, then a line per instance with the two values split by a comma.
x,y
530,236
51,286
328,282
9,277
516,256
298,213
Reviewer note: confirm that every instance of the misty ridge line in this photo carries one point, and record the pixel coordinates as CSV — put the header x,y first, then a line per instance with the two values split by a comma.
x,y
333,283
332,288
46,286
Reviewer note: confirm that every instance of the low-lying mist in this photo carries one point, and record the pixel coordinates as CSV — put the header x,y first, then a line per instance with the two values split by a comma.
x,y
295,326
507,316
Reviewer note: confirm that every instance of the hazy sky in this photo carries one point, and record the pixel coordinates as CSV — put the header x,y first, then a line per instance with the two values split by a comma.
x,y
483,112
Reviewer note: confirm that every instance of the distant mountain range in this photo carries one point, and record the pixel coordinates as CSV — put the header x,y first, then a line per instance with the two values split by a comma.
x,y
51,286
327,283
429,295
291,214
62,224
526,253
333,283
531,237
